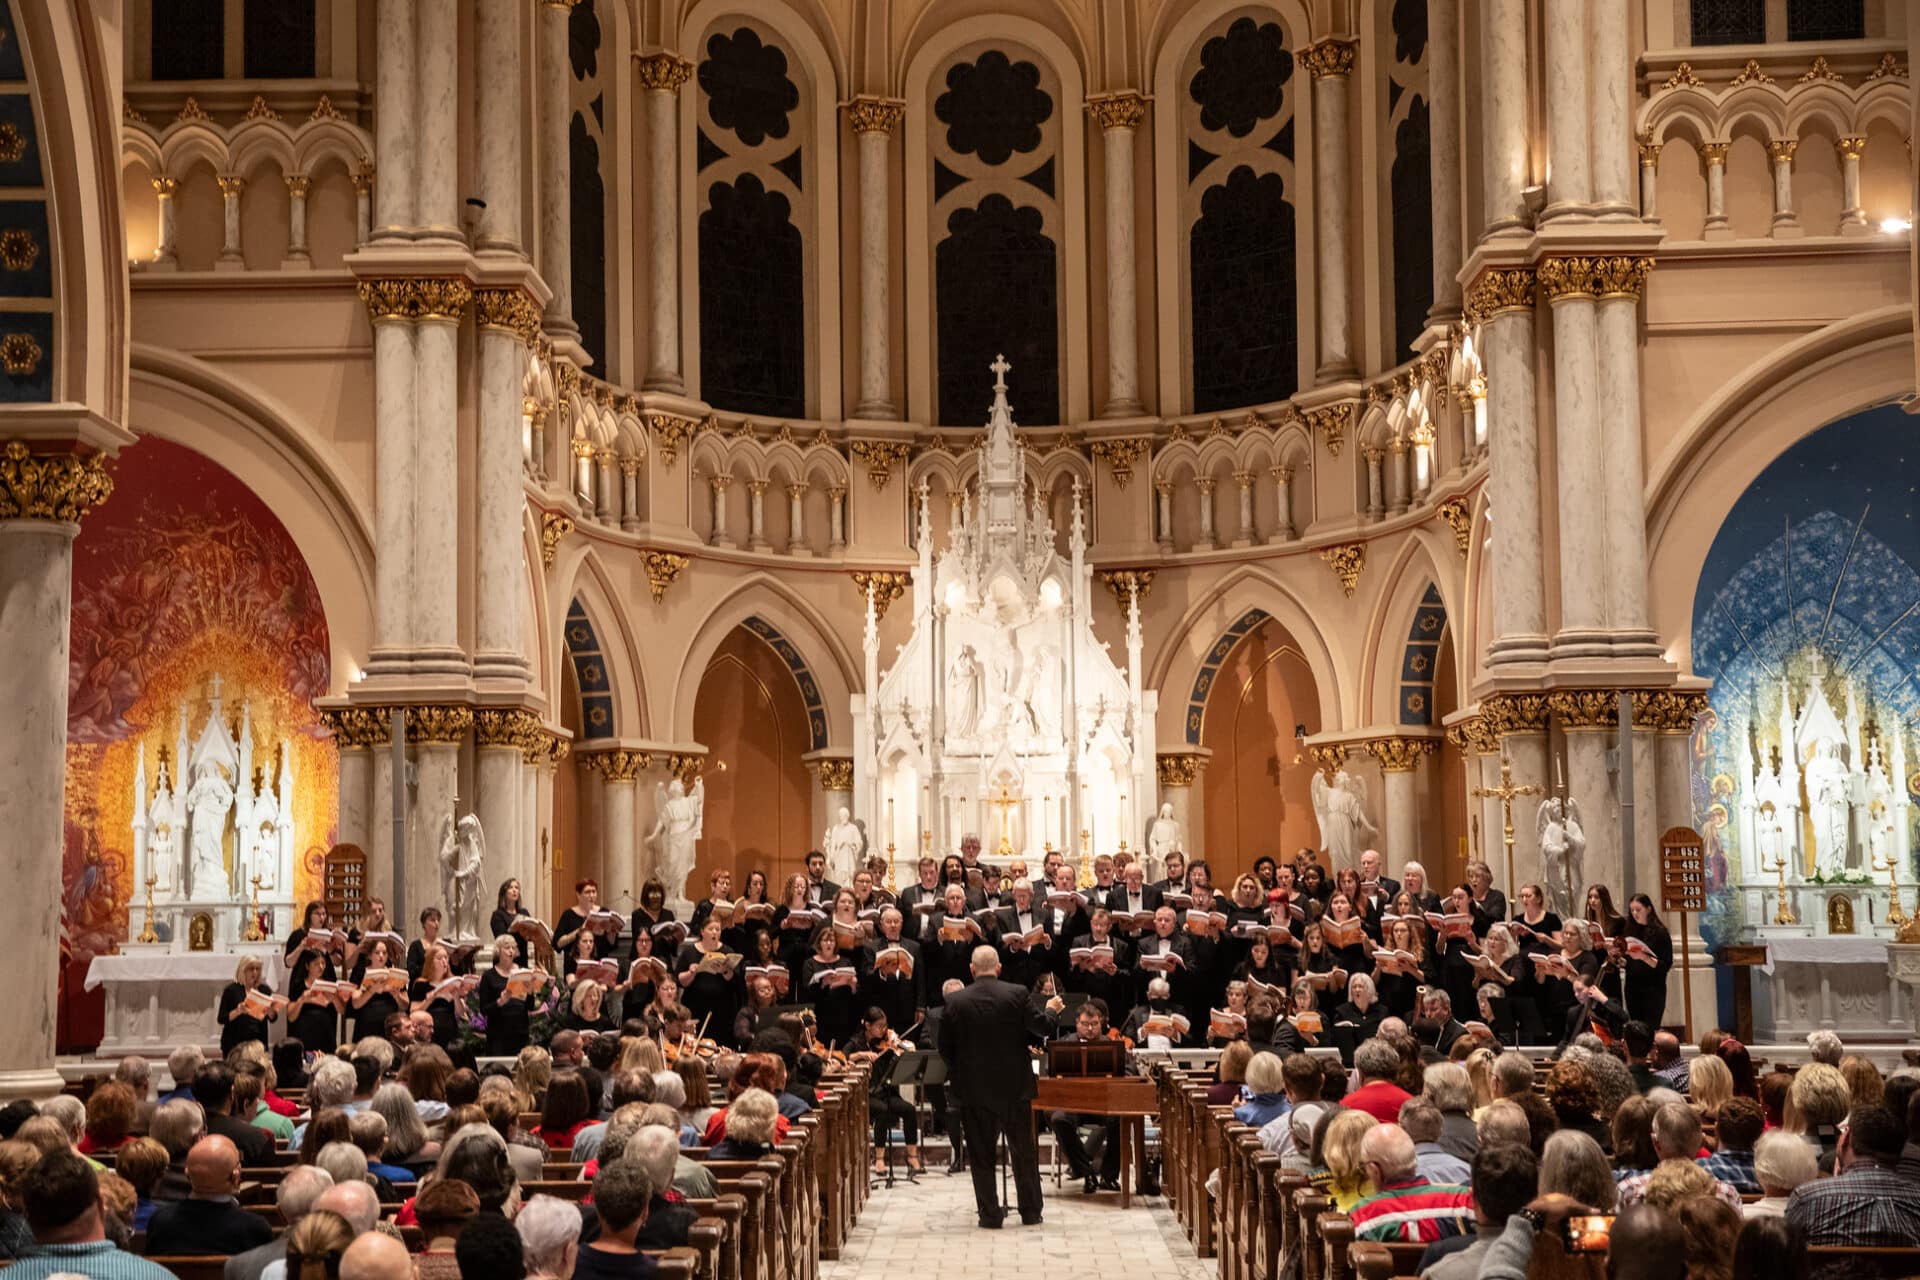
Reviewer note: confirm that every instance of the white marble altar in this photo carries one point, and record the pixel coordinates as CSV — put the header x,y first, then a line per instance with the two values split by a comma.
x,y
1003,714
1855,986
160,995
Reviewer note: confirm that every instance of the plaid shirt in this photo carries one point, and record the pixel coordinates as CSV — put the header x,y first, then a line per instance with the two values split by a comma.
x,y
1633,1190
1735,1168
1866,1206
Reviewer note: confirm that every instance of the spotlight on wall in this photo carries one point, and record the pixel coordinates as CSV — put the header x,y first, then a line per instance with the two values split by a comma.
x,y
1895,226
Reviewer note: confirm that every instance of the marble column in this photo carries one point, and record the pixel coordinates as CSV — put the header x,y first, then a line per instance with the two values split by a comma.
x,y
298,258
1179,777
1589,783
1650,181
1786,223
556,164
497,795
718,486
1611,122
1503,300
1163,503
756,515
1714,156
1399,486
1504,168
1331,63
1853,218
661,76
1119,116
231,257
1445,166
393,465
1399,759
39,512
435,584
1567,283
506,321
498,136
620,769
436,123
395,120
1283,500
356,793
1476,416
1569,162
544,856
797,520
1205,488
1623,500
1376,503
837,517
436,793
379,845
1528,751
362,206
166,259
630,493
1244,479
606,485
873,121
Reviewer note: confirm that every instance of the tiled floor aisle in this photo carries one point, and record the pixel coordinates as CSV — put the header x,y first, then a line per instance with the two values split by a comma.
x,y
931,1229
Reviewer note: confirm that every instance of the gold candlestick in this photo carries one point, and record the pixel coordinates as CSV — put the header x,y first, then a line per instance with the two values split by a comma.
x,y
1896,916
889,886
1784,914
147,933
253,932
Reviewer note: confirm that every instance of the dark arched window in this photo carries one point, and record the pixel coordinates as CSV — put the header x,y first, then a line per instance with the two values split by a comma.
x,y
1729,21
587,199
279,39
1410,178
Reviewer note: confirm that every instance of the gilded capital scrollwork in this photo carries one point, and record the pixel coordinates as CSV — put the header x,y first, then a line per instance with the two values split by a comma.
x,y
880,457
1715,152
553,527
438,722
671,431
1124,110
1330,58
1604,276
1474,735
1668,710
875,115
1459,519
663,569
508,309
1330,423
1347,559
1511,713
882,586
619,764
662,72
1177,769
512,727
1400,754
835,774
358,728
1585,708
685,767
1499,290
1126,584
1120,455
1329,756
415,298
50,486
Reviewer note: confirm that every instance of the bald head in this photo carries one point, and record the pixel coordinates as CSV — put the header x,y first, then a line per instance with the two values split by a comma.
x,y
374,1256
354,1201
213,1166
986,962
1389,1147
1666,1049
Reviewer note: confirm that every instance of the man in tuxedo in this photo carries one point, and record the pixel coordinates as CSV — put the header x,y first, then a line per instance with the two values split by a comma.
x,y
922,925
1381,889
940,1100
901,999
1110,980
1064,920
1101,889
1023,963
947,958
819,888
1176,873
1133,893
1436,1011
984,1037
1166,938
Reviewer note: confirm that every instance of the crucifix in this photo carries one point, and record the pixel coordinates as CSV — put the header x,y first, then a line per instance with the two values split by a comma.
x,y
1004,802
1506,793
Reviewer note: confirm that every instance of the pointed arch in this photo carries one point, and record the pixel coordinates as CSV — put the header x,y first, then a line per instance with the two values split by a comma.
x,y
762,595
589,598
1416,587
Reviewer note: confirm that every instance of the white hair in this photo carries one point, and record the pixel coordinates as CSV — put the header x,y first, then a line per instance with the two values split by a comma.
x,y
655,1149
331,1084
670,1089
548,1227
1158,989
304,1184
1413,866
69,1111
343,1162
1825,1047
354,1201
1361,982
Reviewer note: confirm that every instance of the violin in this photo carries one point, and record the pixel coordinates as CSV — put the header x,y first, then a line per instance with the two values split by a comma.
x,y
1113,1033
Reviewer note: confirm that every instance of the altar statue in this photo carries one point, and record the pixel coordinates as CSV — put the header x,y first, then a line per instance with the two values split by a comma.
x,y
209,801
963,695
1828,806
463,855
843,843
1163,838
677,827
1340,807
1563,847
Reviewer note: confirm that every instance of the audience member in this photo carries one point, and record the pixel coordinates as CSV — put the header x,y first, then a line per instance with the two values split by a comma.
x,y
1405,1206
1739,1126
315,1247
549,1237
61,1198
1504,1175
1710,1229
621,1195
295,1197
1573,1165
110,1114
490,1249
16,1162
1645,1244
442,1210
182,1064
1450,1087
1377,1063
210,1220
1421,1119
656,1149
1676,1137
1768,1249
1340,1169
143,1163
213,1090
378,1257
1866,1202
1817,1102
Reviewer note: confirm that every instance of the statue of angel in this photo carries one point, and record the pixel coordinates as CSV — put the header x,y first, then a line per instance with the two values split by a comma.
x,y
1340,808
1563,847
681,816
463,854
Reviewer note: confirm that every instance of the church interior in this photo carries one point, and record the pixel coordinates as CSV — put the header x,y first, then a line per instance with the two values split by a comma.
x,y
683,434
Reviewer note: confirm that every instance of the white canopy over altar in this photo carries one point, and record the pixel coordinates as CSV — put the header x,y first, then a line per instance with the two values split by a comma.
x,y
1002,715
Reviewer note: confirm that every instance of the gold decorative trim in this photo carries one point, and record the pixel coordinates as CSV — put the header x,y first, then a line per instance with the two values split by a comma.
x,y
1851,147
13,143
165,187
1715,152
1585,708
1782,149
1511,713
1123,110
1459,518
685,767
415,298
875,115
1329,756
50,486
663,568
1817,70
835,774
882,586
1331,57
438,722
1330,423
508,309
1683,74
260,110
662,72
1128,584
1475,735
881,456
298,185
1650,152
553,527
358,728
128,114
1120,455
1890,67
1750,74
232,186
506,727
1593,277
1668,710
1499,290
1348,560
20,355
325,110
672,431
619,764
1177,769
192,110
1400,754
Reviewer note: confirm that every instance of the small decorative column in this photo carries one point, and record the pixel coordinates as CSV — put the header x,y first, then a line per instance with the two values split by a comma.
x,y
797,519
719,484
1853,218
1610,122
393,470
1399,757
1283,496
394,125
506,324
1786,223
536,443
1445,167
1569,286
629,492
1163,502
1714,156
1331,62
1399,487
583,474
555,111
1178,774
1623,484
231,258
1504,165
1520,728
1476,420
1650,181
1119,115
756,515
165,259
956,500
362,205
1501,302
1245,480
435,589
837,517
43,499
1205,488
661,76
1376,503
873,121
1423,462
610,485
297,259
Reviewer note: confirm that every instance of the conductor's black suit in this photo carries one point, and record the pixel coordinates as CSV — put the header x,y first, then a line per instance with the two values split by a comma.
x,y
984,1037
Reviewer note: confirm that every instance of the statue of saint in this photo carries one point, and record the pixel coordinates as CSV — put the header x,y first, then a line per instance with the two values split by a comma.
x,y
1163,838
678,825
209,802
1563,848
963,695
843,844
1828,806
463,854
1340,806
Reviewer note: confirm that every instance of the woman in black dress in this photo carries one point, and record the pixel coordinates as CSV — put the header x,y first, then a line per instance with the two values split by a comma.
x,y
573,922
1646,995
370,1008
422,946
312,1018
793,932
712,998
1400,992
642,978
315,918
587,1009
447,1008
1356,956
1536,931
836,1005
237,1026
653,908
506,1015
743,933
507,908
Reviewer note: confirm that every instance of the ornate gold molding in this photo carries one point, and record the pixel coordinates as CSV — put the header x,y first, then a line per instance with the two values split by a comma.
x,y
1890,67
1331,57
1120,455
662,72
663,568
415,298
298,184
1474,735
1668,710
1347,559
1621,277
882,586
619,764
192,110
1683,74
672,431
1128,583
1750,74
1123,110
1400,754
1177,769
508,309
1329,756
357,728
260,110
61,487
881,457
513,727
685,767
325,110
1780,149
438,722
1715,152
835,774
1510,713
875,115
551,751
1606,276
1851,147
1585,708
20,355
1497,291
1459,518
553,526
1650,151
1330,423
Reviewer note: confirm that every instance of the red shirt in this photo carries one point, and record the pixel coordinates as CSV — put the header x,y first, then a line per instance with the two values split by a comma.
x,y
279,1105
1380,1099
717,1129
562,1139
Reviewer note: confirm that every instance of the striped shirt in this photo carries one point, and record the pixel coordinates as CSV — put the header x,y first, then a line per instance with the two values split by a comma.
x,y
1416,1211
1633,1190
1865,1206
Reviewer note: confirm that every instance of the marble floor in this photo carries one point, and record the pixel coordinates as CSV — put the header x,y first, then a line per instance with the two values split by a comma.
x,y
930,1228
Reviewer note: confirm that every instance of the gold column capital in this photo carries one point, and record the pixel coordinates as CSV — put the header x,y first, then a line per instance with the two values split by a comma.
x,y
1177,769
1330,423
1851,147
165,187
663,569
661,72
1120,455
1124,109
1782,149
55,486
1330,57
510,310
297,184
1715,153
1498,291
835,774
875,115
1347,559
415,298
1400,754
619,764
1128,584
1510,713
359,727
1459,518
231,185
882,586
553,527
505,727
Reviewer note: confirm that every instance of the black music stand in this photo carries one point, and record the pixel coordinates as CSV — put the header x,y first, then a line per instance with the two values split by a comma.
x,y
1083,1058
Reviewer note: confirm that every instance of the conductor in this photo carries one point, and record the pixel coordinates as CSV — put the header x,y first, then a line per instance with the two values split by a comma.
x,y
984,1035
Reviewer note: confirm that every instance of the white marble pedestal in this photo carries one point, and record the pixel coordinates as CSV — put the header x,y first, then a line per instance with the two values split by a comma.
x,y
1844,984
158,998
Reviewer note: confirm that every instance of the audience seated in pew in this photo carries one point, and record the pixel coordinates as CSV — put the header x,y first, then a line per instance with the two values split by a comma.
x,y
210,1220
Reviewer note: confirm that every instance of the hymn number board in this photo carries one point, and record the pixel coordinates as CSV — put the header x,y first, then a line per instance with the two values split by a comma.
x,y
345,888
1683,870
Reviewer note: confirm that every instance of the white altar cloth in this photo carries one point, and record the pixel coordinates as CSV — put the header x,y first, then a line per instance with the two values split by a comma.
x,y
158,999
1825,950
194,966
